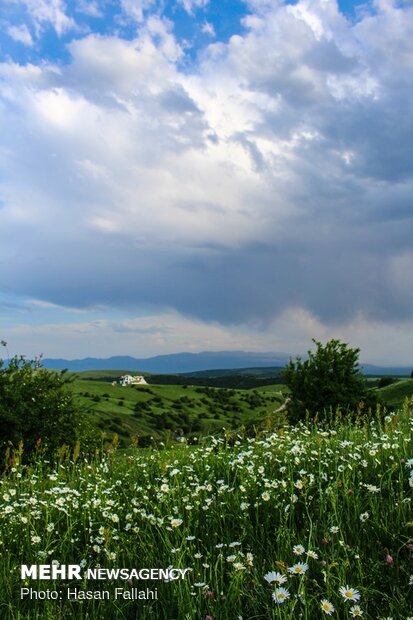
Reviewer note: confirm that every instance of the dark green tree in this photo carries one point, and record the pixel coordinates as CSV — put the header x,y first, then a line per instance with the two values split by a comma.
x,y
37,407
328,380
385,381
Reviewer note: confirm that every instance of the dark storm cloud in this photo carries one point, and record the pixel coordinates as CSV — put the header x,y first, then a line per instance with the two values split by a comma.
x,y
277,174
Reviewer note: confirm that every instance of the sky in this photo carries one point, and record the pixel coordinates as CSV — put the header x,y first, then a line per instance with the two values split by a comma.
x,y
206,175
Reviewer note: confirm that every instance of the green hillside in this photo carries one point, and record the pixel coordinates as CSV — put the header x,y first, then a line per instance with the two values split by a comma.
x,y
395,394
104,375
248,378
158,410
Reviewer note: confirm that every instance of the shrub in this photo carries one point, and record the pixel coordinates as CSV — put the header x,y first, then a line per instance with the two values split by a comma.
x,y
385,381
36,407
328,380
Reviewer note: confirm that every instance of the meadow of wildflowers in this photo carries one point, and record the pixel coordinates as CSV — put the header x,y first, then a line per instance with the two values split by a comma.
x,y
298,522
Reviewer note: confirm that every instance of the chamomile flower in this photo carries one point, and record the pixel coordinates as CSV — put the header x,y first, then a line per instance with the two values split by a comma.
x,y
327,607
349,594
298,550
280,595
298,569
239,566
356,611
276,577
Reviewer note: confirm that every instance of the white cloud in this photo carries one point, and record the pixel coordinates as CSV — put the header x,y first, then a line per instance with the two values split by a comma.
x,y
170,332
89,7
58,108
120,68
191,5
275,173
47,12
21,34
208,28
135,9
140,336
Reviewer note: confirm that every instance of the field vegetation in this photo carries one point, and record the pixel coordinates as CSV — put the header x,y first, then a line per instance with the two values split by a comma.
x,y
162,412
273,520
151,413
298,522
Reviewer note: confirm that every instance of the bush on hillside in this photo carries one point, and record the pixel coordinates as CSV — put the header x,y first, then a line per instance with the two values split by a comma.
x,y
36,407
385,381
330,379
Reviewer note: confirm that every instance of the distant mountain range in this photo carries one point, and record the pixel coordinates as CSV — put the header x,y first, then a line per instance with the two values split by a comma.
x,y
195,362
174,363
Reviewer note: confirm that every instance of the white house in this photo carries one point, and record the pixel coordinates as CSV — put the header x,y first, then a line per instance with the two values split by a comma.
x,y
132,380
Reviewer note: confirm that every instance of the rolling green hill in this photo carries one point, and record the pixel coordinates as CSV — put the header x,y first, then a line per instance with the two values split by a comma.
x,y
157,410
246,378
395,394
106,376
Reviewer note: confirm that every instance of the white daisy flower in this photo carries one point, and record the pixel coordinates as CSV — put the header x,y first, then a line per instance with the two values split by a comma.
x,y
298,569
280,595
327,607
298,550
349,594
276,577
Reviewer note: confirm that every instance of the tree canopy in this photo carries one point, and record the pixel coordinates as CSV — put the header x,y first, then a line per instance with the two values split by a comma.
x,y
37,406
328,380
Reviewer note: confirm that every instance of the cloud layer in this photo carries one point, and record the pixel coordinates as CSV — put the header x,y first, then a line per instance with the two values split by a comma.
x,y
273,172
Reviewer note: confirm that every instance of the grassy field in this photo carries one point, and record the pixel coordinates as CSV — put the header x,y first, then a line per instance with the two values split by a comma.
x,y
295,523
395,394
161,410
170,411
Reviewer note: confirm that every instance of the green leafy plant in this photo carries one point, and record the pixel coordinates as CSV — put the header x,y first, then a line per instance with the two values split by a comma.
x,y
385,381
330,379
36,406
